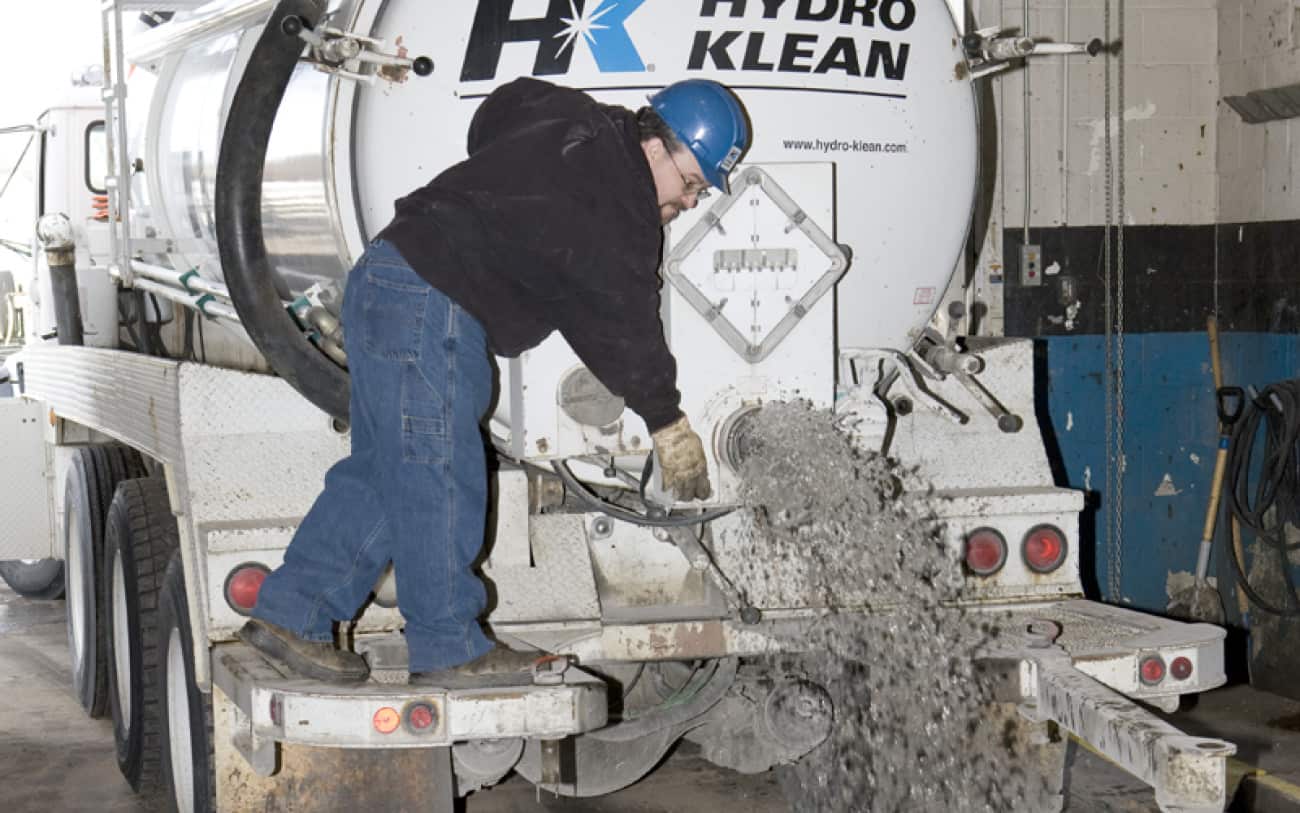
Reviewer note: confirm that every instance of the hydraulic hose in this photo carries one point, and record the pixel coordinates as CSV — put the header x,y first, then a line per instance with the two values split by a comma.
x,y
584,495
248,270
1274,501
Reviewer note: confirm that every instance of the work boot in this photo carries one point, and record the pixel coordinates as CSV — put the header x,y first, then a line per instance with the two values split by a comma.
x,y
499,665
319,660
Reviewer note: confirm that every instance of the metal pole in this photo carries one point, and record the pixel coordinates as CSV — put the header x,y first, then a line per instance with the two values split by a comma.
x,y
204,304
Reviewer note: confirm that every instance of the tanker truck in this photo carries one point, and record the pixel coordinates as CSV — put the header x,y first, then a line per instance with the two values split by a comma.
x,y
183,384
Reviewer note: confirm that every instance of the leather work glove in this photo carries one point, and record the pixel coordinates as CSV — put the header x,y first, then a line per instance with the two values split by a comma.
x,y
682,465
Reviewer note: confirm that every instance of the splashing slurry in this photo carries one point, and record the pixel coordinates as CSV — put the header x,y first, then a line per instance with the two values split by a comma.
x,y
915,728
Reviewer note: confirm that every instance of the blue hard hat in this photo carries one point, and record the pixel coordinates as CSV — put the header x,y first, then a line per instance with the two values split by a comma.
x,y
708,119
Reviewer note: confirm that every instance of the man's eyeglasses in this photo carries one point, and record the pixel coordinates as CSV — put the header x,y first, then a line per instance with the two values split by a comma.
x,y
700,189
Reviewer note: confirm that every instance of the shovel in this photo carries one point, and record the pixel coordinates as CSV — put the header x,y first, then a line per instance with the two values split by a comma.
x,y
1201,601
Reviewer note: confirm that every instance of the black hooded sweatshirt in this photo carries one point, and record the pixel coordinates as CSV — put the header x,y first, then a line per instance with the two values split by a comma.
x,y
552,223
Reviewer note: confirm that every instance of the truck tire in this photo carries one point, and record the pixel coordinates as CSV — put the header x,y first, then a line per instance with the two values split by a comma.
x,y
139,540
37,578
187,762
93,475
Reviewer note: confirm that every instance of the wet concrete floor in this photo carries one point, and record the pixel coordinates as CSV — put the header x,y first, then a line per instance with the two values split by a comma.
x,y
54,758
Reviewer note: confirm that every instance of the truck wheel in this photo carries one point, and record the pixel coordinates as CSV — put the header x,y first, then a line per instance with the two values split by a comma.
x,y
138,543
187,737
93,475
36,578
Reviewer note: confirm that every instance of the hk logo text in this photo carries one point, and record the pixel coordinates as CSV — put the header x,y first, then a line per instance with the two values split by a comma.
x,y
597,25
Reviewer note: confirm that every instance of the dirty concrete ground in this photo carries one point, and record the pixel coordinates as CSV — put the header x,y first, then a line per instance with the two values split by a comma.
x,y
52,758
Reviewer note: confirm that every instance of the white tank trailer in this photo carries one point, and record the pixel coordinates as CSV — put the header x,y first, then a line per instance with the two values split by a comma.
x,y
245,151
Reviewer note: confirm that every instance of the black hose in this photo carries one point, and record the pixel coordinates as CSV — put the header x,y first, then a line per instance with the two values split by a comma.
x,y
584,495
248,270
1277,489
67,301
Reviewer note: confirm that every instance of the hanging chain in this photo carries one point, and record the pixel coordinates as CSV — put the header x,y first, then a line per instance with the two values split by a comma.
x,y
1108,493
1120,459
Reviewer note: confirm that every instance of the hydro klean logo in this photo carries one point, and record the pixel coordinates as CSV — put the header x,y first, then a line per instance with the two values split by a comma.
x,y
802,51
597,24
731,35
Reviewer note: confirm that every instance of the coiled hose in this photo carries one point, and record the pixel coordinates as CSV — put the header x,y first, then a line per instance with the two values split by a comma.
x,y
1277,487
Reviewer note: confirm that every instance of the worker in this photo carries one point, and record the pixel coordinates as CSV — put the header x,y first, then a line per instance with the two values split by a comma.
x,y
553,222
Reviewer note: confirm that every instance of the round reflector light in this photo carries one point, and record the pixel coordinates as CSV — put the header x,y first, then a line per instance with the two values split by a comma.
x,y
386,720
1151,669
1181,668
243,585
986,551
1044,548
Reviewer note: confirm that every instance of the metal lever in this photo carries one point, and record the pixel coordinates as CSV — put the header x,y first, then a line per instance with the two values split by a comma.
x,y
990,50
342,53
1008,421
701,559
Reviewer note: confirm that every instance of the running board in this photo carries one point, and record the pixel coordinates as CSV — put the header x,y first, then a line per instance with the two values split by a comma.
x,y
272,707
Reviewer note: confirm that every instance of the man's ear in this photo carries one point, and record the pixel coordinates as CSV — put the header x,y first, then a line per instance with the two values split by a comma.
x,y
654,147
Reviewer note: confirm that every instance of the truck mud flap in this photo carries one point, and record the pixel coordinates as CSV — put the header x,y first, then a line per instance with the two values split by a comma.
x,y
272,707
1081,664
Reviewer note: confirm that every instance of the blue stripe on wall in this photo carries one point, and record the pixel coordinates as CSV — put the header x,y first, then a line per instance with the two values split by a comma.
x,y
1169,432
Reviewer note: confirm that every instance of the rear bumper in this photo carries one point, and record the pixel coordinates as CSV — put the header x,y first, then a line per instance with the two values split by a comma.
x,y
1075,662
272,707
1109,643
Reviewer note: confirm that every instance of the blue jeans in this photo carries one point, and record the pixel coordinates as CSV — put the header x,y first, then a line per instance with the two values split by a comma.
x,y
414,489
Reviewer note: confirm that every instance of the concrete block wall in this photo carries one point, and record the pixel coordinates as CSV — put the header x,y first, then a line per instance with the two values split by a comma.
x,y
1170,116
1170,108
1258,164
1190,160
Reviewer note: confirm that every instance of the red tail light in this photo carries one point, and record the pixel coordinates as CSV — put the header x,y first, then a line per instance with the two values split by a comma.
x,y
1181,668
1044,548
986,551
243,585
422,717
1151,669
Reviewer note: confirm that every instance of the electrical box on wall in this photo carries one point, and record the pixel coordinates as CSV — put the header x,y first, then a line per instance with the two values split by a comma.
x,y
1031,265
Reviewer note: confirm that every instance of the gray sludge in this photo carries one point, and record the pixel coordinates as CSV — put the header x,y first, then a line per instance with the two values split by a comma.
x,y
915,729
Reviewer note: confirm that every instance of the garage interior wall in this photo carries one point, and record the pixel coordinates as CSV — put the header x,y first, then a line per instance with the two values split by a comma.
x,y
1211,221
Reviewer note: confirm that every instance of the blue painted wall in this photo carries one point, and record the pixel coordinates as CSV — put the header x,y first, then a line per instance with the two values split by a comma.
x,y
1170,429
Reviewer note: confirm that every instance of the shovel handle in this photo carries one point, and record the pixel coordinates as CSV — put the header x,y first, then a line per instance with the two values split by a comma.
x,y
1212,510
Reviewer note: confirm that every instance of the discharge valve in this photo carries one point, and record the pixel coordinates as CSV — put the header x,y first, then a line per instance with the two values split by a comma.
x,y
990,50
344,53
